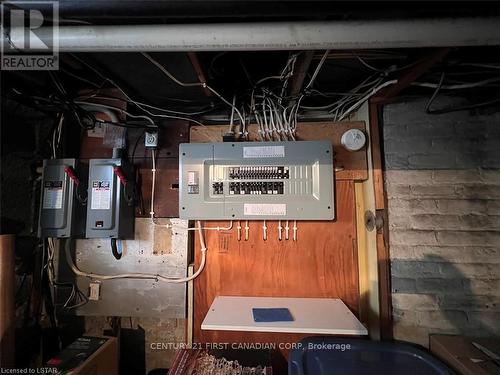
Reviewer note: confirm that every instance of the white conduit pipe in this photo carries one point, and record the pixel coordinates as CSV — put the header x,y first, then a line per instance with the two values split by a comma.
x,y
311,35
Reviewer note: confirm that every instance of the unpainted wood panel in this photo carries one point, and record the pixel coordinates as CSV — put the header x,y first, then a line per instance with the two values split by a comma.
x,y
166,202
321,263
349,165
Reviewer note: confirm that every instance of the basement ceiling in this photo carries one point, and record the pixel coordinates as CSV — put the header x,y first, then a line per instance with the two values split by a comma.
x,y
154,12
239,74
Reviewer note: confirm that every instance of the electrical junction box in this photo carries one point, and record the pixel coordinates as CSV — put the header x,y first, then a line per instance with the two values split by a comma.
x,y
110,207
257,181
63,199
151,139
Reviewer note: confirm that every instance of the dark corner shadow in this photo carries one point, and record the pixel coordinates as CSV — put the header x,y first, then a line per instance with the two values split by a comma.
x,y
455,304
465,302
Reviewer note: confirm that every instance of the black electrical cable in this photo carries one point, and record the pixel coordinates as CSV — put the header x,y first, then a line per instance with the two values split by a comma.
x,y
84,118
114,249
20,288
82,194
135,146
64,105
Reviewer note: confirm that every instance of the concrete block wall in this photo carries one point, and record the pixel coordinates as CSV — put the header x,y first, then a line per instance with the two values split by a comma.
x,y
442,176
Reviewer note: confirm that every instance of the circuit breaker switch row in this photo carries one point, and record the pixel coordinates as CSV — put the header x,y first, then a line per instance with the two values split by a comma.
x,y
256,188
218,188
259,173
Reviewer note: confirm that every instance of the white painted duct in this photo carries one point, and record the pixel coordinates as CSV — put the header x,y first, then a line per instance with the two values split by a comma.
x,y
276,36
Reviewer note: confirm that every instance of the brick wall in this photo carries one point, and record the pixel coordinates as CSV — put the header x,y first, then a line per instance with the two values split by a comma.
x,y
443,186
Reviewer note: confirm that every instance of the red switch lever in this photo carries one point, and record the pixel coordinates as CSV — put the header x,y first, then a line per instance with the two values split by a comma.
x,y
72,175
119,172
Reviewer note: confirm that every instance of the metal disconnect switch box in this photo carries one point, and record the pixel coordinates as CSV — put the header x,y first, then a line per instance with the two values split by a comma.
x,y
257,180
63,198
110,207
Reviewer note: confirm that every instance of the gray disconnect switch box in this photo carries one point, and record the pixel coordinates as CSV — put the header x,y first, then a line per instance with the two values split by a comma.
x,y
63,198
110,207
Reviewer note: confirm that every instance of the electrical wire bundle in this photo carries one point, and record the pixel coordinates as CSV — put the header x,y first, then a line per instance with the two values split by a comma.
x,y
270,109
270,105
352,100
76,297
450,79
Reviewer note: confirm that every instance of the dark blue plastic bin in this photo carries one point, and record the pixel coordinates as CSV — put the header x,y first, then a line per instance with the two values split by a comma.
x,y
330,355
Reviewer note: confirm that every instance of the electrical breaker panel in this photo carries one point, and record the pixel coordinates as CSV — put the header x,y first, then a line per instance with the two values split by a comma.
x,y
110,207
63,198
257,181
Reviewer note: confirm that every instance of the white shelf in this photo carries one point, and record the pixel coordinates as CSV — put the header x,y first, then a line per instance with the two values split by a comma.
x,y
311,315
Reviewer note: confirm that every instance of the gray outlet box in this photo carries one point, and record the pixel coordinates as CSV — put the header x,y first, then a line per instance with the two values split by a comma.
x,y
110,207
62,209
257,181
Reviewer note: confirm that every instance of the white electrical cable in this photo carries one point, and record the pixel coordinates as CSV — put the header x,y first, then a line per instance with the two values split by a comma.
x,y
488,66
153,185
457,87
139,104
99,105
366,97
51,249
191,84
346,100
218,228
318,68
142,116
247,230
274,129
231,121
50,258
243,126
56,136
144,276
277,121
267,78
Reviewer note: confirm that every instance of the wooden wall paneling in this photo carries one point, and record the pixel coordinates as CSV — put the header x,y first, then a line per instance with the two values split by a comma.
x,y
92,148
200,72
378,174
349,165
315,265
364,279
385,294
167,188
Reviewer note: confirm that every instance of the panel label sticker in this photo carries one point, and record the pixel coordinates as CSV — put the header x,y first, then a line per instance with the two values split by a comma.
x,y
256,209
193,184
101,195
53,195
264,152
